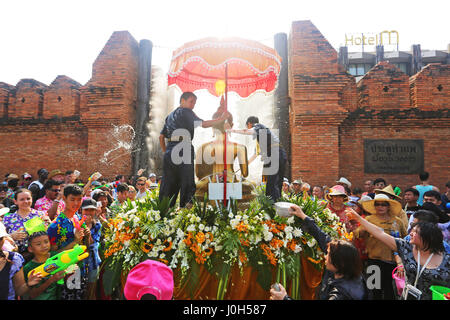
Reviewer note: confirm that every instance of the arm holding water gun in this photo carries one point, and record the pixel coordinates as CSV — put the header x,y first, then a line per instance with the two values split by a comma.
x,y
60,263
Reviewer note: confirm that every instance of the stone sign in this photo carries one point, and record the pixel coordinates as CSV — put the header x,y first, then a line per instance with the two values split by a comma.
x,y
393,156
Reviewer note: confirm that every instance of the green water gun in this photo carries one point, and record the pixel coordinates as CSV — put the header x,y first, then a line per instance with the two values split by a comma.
x,y
61,262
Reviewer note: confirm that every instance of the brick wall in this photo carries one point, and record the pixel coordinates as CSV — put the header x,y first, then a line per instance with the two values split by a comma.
x,y
331,115
70,126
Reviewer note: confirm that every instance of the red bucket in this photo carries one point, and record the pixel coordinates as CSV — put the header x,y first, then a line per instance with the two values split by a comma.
x,y
399,281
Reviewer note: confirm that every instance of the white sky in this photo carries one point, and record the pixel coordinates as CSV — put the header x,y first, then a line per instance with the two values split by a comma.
x,y
43,39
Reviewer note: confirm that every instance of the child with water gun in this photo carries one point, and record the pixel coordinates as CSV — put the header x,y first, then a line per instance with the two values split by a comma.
x,y
39,246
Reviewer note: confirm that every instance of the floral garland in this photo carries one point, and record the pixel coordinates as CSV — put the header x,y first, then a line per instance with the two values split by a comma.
x,y
217,238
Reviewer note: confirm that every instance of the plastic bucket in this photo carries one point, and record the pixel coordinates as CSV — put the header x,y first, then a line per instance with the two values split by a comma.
x,y
399,281
438,292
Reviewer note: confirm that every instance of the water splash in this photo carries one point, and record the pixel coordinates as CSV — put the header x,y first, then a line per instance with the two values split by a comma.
x,y
122,138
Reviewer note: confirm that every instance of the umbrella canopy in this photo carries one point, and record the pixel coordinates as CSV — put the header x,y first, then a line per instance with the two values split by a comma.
x,y
200,64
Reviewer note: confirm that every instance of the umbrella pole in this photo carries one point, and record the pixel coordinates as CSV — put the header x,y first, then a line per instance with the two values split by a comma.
x,y
225,142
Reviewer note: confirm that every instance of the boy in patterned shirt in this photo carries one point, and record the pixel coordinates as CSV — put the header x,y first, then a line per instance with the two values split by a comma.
x,y
64,236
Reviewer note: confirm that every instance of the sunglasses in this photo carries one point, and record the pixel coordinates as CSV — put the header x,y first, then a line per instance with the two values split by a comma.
x,y
3,189
381,204
141,184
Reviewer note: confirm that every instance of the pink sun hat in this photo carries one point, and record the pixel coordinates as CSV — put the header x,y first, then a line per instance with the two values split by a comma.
x,y
149,277
337,190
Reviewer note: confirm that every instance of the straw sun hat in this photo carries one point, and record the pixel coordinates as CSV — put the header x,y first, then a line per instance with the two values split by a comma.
x,y
394,206
389,191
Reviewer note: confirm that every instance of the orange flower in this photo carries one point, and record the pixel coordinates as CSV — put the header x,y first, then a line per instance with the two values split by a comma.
x,y
276,243
168,245
244,242
200,237
291,245
209,251
164,261
188,241
242,227
314,261
242,257
146,247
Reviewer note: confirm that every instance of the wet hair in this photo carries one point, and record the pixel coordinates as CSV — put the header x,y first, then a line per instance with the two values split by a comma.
x,y
13,183
423,176
186,95
119,176
377,180
357,190
345,258
426,216
434,194
72,189
431,235
122,187
69,172
252,120
35,235
50,183
21,190
414,191
97,196
447,184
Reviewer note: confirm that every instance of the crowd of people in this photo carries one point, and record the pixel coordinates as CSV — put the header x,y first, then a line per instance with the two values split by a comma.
x,y
407,230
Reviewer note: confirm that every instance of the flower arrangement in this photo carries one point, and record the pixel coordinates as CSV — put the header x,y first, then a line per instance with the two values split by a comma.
x,y
216,238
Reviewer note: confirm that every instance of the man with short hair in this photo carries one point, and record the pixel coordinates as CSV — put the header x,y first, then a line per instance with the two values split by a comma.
x,y
410,197
122,196
141,186
52,202
368,187
424,186
378,183
178,167
273,155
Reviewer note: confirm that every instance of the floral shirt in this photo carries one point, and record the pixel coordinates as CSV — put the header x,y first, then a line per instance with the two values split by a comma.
x,y
45,203
438,276
62,231
15,223
17,263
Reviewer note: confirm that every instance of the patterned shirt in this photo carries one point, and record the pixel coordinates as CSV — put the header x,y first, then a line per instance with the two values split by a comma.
x,y
45,203
62,231
15,223
437,276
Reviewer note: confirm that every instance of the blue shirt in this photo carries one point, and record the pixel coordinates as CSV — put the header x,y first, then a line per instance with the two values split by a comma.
x,y
93,261
422,190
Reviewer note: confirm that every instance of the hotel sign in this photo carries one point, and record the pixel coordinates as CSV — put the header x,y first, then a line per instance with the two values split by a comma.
x,y
372,39
393,156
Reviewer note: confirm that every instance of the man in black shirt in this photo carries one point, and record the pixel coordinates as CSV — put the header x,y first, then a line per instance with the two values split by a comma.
x,y
272,154
178,161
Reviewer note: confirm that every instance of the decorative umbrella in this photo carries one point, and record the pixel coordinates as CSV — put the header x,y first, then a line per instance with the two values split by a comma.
x,y
222,65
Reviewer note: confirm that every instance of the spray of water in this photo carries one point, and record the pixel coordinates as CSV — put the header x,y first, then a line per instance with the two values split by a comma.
x,y
121,137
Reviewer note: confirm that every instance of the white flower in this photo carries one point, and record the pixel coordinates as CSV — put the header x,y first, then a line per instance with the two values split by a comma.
x,y
207,228
201,227
191,227
311,242
145,237
297,232
267,235
230,215
290,220
297,248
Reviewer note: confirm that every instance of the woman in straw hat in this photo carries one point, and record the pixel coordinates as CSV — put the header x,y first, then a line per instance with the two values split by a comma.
x,y
389,191
336,203
384,214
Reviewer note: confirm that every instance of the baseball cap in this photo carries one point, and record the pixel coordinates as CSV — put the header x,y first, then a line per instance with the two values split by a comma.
x,y
89,203
26,175
149,277
152,175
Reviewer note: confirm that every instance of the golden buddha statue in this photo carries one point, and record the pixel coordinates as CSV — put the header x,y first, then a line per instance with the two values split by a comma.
x,y
210,165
